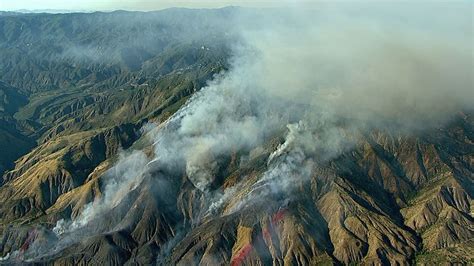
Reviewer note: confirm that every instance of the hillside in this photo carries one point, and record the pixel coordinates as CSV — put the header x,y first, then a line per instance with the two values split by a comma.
x,y
65,92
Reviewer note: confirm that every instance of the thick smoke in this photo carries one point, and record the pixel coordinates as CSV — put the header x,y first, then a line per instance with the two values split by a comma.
x,y
327,74
373,66
346,70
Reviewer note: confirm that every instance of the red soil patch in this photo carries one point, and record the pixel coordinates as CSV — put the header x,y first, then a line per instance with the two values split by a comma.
x,y
241,255
29,240
278,216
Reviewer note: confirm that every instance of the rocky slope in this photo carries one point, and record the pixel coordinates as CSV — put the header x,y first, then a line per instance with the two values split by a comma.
x,y
390,200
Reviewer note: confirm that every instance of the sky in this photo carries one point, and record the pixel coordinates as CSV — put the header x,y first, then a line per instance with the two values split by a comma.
x,y
142,5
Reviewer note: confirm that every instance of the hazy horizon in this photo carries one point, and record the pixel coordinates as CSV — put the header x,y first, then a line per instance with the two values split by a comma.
x,y
130,5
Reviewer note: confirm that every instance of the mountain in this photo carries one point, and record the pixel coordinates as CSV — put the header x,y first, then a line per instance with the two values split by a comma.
x,y
50,11
86,100
74,91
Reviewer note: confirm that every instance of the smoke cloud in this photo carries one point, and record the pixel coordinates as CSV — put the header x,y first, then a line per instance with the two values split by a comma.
x,y
377,67
347,70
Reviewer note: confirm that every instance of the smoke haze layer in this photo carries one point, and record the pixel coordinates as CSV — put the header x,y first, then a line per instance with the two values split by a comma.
x,y
379,65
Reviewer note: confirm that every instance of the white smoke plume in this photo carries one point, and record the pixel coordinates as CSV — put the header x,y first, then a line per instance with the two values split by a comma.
x,y
347,70
125,176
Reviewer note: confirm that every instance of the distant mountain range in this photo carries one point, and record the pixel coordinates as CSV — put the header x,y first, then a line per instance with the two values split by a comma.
x,y
50,11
